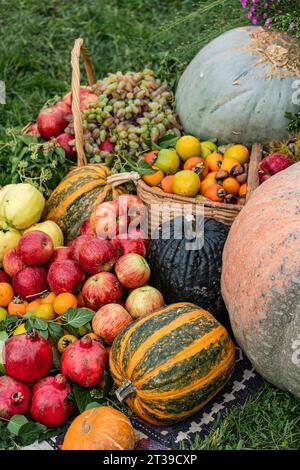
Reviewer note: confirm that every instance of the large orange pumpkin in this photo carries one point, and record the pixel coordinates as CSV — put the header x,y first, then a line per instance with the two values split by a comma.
x,y
261,279
102,428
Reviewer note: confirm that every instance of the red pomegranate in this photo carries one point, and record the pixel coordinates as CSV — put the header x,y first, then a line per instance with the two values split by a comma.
x,y
64,140
84,362
78,243
97,255
28,357
12,263
4,277
64,276
30,282
14,397
51,404
51,122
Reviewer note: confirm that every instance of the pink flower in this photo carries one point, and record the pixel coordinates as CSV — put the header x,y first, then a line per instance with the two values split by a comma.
x,y
255,20
268,22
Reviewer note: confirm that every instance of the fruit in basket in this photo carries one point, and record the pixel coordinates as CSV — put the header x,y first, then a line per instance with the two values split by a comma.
x,y
35,248
51,404
208,181
78,243
132,270
65,341
4,277
186,183
225,104
84,362
12,263
67,142
127,243
52,122
154,179
61,253
101,428
178,358
17,306
109,321
9,240
63,302
64,276
198,165
100,289
84,92
188,269
231,186
21,207
50,228
243,190
238,152
28,357
267,327
167,161
214,161
30,282
76,196
207,147
166,183
14,397
97,255
188,146
6,294
143,300
230,165
151,156
273,164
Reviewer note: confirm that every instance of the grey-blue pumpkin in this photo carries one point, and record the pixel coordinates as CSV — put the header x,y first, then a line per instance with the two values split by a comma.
x,y
239,87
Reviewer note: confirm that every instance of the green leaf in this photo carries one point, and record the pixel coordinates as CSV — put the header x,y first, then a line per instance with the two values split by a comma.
x,y
27,315
82,397
39,324
167,141
55,331
30,432
93,404
5,436
15,423
29,325
143,168
56,358
28,139
108,383
76,317
44,333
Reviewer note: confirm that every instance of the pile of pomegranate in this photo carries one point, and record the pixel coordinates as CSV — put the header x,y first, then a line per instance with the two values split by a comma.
x,y
103,270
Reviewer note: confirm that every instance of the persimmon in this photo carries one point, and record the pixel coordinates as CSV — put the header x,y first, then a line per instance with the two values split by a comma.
x,y
214,161
65,341
63,302
243,190
150,156
208,181
93,336
17,306
215,192
6,294
48,298
198,165
33,305
166,183
154,178
228,164
231,186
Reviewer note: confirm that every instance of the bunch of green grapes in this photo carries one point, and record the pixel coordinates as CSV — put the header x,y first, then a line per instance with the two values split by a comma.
x,y
133,110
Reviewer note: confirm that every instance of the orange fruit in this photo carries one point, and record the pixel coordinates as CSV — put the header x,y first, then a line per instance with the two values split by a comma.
x,y
65,341
238,152
215,192
208,181
186,183
154,178
166,183
243,190
93,336
231,186
228,164
214,161
17,307
44,311
48,298
150,156
33,305
63,302
188,146
6,294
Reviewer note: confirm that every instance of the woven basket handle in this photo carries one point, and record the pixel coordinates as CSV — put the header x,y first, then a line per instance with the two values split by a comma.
x,y
79,49
121,178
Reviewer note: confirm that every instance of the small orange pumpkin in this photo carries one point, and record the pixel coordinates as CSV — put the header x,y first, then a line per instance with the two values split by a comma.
x,y
102,428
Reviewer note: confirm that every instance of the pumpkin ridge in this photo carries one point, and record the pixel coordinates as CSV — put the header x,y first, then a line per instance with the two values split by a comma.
x,y
173,325
183,354
106,436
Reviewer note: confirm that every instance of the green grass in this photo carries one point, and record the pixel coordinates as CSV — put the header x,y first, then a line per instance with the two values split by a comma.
x,y
35,43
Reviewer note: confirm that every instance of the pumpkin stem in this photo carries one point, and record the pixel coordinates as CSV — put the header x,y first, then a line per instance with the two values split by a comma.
x,y
126,390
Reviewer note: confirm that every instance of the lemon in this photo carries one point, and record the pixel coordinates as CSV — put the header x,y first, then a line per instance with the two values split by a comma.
x,y
187,147
238,152
19,330
3,314
167,161
44,311
186,183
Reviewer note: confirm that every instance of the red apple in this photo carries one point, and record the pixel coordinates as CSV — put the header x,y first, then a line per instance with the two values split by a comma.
x,y
78,243
132,270
64,276
60,253
86,228
107,221
35,248
144,300
64,107
4,277
84,91
109,321
129,245
12,263
97,255
51,122
64,140
30,282
101,289
85,101
137,232
33,130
